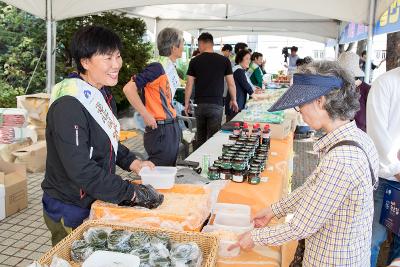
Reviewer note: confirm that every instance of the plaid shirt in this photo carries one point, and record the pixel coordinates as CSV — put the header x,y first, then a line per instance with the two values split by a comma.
x,y
334,208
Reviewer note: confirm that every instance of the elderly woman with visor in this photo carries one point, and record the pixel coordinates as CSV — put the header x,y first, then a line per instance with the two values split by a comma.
x,y
333,210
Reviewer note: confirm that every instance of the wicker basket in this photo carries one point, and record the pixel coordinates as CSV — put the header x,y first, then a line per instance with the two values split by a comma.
x,y
207,243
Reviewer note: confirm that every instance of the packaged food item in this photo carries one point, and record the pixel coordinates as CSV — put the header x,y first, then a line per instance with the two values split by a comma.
x,y
139,239
118,240
80,250
186,254
97,237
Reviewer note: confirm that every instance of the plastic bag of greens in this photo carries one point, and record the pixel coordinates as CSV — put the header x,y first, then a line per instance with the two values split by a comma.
x,y
118,240
80,250
161,238
96,237
159,255
143,253
138,239
186,254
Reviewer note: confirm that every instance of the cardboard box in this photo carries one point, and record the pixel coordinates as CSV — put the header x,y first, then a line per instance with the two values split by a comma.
x,y
13,189
37,106
40,131
33,157
278,131
6,150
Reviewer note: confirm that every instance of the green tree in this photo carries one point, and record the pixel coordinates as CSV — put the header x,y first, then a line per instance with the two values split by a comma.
x,y
135,52
22,39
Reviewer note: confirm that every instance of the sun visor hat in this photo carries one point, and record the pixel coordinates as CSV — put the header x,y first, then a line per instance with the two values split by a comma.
x,y
306,88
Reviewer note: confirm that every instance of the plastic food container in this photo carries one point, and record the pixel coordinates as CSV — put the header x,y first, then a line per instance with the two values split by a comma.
x,y
111,259
233,223
223,249
159,177
234,209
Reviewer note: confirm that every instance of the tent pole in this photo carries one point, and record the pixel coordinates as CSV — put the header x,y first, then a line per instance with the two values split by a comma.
x,y
156,29
50,51
371,24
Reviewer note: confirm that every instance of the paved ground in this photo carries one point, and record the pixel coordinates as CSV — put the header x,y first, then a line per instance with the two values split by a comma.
x,y
24,236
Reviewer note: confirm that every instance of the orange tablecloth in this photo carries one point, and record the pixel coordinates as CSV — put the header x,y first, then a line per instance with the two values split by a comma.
x,y
260,196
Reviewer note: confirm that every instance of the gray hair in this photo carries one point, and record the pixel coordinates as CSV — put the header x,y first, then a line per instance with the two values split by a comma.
x,y
167,39
341,103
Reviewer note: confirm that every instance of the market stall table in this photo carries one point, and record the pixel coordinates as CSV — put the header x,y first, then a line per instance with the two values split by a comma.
x,y
274,185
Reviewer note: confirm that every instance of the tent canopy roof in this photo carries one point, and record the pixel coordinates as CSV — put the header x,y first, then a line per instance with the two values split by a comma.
x,y
314,19
345,10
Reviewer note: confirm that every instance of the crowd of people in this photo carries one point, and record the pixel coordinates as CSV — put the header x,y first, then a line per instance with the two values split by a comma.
x,y
336,211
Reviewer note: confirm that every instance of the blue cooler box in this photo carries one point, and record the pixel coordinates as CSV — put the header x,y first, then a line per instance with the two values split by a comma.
x,y
390,215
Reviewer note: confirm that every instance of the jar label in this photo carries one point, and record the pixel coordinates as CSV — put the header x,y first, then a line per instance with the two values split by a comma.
x,y
223,176
237,178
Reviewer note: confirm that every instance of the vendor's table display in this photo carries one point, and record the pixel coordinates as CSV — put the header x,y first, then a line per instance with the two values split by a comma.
x,y
154,247
185,207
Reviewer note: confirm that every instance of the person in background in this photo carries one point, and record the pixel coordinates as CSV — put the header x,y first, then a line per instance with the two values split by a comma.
x,y
207,72
363,60
256,76
157,84
195,53
240,46
333,210
349,61
383,126
243,88
227,50
83,149
293,57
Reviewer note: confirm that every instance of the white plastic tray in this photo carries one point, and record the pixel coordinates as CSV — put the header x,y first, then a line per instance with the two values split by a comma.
x,y
233,223
159,177
111,259
234,209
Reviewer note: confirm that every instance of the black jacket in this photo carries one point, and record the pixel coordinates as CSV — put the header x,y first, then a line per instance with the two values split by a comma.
x,y
71,176
243,88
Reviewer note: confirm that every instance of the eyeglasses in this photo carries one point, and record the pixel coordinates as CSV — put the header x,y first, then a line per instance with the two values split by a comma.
x,y
297,108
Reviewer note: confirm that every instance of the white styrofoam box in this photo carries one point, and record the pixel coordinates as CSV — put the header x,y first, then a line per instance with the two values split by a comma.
x,y
229,208
159,177
111,259
223,249
2,202
233,223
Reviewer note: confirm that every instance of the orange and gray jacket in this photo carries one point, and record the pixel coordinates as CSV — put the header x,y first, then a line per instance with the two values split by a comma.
x,y
155,91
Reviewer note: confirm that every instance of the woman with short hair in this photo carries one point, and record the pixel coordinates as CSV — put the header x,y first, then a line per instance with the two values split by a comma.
x,y
255,71
243,88
82,135
333,210
157,85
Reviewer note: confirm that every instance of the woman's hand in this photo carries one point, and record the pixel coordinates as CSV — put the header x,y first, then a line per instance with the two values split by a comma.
x,y
137,165
263,217
245,241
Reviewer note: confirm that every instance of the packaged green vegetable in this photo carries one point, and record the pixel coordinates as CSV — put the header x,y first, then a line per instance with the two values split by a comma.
x,y
80,250
138,239
96,237
186,254
118,240
159,255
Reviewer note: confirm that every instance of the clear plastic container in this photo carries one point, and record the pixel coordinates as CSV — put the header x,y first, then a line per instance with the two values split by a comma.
x,y
234,209
233,223
159,177
223,249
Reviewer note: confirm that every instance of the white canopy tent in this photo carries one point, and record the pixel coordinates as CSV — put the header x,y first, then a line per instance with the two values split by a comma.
x,y
313,19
